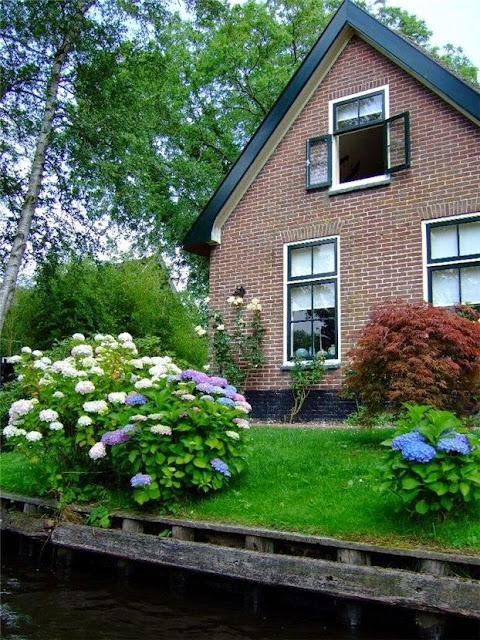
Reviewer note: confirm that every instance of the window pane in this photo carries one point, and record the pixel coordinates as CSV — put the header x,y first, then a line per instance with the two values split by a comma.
x,y
347,115
443,242
324,258
324,337
324,296
301,303
301,262
371,109
302,339
469,238
470,279
319,162
445,287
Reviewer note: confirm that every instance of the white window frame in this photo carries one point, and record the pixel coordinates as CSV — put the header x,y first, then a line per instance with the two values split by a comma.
x,y
333,362
337,186
455,262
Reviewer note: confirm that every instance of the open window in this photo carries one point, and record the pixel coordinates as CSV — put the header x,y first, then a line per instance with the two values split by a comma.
x,y
364,145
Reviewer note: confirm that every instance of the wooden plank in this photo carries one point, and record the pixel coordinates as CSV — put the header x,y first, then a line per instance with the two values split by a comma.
x,y
23,524
390,586
272,535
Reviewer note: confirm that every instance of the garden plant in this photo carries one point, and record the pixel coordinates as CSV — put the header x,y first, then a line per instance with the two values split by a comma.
x,y
433,463
103,417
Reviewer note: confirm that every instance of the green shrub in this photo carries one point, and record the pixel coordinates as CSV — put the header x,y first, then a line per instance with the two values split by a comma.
x,y
433,464
104,416
416,353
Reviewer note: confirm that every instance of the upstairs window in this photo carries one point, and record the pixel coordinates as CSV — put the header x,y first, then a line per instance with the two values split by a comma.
x,y
312,299
364,145
453,262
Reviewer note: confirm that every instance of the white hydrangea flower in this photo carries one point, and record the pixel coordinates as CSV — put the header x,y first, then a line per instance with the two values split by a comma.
x,y
200,331
48,415
78,336
97,451
254,305
35,401
46,360
232,434
58,394
130,346
38,364
20,408
37,353
117,397
95,406
161,430
207,300
56,426
156,416
144,383
89,362
206,367
21,432
14,359
81,374
82,350
138,418
113,344
99,337
137,363
220,327
33,436
147,360
10,431
125,337
26,350
84,387
46,380
65,368
100,349
108,338
84,421
98,371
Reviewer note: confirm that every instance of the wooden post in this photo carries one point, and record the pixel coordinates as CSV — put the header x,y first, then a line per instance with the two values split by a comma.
x,y
432,625
30,509
351,612
254,594
132,526
183,533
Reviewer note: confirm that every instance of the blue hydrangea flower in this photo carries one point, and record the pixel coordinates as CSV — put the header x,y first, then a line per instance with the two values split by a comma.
x,y
219,391
135,398
140,480
115,437
418,451
226,401
413,436
230,388
221,466
129,429
456,443
218,382
205,387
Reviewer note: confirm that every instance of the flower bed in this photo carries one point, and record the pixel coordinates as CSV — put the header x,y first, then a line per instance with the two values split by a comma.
x,y
104,417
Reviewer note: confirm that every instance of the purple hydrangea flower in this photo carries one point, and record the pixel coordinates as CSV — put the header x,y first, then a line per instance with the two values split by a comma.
x,y
418,451
218,382
221,466
226,401
400,441
135,398
196,376
140,480
230,388
205,387
115,437
456,443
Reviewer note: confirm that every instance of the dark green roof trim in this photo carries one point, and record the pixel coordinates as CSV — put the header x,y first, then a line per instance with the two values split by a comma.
x,y
459,93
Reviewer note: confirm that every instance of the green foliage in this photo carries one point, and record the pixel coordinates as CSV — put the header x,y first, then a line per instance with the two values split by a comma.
x,y
99,517
433,465
416,353
164,437
91,297
237,349
304,376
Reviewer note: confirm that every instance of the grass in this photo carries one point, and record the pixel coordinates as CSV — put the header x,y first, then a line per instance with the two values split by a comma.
x,y
314,481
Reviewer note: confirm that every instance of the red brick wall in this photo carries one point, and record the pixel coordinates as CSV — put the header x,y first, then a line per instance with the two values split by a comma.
x,y
379,228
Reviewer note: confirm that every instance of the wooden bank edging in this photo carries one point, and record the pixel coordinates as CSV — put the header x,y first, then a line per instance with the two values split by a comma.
x,y
416,579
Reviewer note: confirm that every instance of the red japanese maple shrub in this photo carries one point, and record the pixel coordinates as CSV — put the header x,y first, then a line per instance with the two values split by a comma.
x,y
419,354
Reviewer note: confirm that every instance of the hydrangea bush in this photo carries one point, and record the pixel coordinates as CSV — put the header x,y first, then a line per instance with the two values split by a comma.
x,y
433,464
105,417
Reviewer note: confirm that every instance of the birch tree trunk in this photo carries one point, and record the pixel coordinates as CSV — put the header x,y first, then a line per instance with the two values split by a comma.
x,y
7,287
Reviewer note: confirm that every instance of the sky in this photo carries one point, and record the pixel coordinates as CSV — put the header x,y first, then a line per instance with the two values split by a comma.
x,y
454,22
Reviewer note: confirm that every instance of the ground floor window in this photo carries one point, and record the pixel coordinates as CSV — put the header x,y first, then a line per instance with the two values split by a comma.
x,y
453,261
312,299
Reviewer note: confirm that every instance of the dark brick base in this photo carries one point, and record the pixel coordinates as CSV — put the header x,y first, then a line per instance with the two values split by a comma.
x,y
319,406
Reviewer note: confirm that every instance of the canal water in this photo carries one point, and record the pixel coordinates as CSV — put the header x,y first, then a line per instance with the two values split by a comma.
x,y
92,599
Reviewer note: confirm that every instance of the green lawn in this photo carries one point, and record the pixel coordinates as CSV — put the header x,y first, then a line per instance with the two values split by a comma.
x,y
313,481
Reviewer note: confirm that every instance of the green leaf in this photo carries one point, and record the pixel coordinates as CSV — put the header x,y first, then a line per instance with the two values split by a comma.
x,y
422,507
201,463
447,503
464,489
133,455
440,488
410,483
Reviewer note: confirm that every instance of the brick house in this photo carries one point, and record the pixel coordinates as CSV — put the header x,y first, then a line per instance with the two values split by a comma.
x,y
361,185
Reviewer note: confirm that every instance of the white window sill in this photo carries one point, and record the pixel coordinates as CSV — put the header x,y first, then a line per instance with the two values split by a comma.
x,y
329,364
368,183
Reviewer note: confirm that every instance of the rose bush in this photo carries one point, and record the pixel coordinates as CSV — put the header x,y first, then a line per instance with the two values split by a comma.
x,y
103,417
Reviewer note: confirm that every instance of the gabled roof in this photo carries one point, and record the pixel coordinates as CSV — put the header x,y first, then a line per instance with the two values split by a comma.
x,y
348,20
